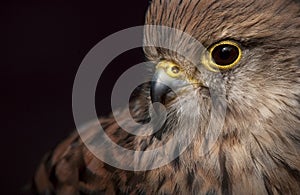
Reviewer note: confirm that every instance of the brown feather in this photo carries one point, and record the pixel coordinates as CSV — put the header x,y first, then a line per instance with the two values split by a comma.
x,y
258,150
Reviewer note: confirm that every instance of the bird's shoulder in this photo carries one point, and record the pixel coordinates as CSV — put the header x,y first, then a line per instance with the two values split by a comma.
x,y
70,168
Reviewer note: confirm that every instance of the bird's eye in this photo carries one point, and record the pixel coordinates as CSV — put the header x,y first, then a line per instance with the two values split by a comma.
x,y
223,55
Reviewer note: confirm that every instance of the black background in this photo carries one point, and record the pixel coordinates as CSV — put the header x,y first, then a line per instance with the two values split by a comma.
x,y
42,44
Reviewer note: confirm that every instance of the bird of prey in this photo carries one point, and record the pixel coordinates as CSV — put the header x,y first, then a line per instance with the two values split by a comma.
x,y
251,56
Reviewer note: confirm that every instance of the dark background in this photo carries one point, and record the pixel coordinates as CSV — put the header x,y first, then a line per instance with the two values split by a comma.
x,y
42,44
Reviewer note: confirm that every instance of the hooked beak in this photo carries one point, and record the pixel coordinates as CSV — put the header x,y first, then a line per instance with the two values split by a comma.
x,y
164,85
168,81
159,87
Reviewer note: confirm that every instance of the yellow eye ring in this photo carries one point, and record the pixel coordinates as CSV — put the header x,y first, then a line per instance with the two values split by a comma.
x,y
222,56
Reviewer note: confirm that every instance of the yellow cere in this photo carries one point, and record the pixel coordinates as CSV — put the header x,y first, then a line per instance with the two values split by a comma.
x,y
172,70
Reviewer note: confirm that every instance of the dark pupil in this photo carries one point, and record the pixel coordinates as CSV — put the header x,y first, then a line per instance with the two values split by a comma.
x,y
225,54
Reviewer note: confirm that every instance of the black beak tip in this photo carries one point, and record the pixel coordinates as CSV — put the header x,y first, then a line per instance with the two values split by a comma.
x,y
158,92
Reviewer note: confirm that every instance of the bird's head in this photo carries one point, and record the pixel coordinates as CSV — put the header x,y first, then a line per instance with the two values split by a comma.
x,y
242,59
